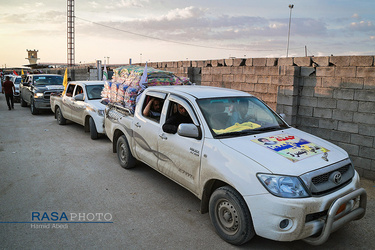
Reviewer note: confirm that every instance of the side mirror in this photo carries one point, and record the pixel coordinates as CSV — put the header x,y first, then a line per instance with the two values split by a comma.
x,y
79,97
282,115
189,130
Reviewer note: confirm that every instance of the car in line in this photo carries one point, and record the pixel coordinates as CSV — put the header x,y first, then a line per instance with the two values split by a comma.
x,y
37,89
81,103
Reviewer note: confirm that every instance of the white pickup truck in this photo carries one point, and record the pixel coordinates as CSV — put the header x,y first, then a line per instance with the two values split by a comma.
x,y
253,173
81,104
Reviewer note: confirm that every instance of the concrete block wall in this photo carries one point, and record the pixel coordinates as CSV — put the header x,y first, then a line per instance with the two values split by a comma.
x,y
337,102
331,97
80,73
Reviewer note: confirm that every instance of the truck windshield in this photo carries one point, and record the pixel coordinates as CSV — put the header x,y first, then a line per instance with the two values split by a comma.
x,y
94,91
238,116
17,80
48,80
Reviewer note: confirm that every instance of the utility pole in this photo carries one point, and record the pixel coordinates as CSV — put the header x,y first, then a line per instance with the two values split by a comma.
x,y
290,20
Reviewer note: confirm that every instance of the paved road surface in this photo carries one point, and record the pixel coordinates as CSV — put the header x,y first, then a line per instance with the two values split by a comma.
x,y
49,168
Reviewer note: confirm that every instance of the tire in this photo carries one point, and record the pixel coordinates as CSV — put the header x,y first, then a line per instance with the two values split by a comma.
x,y
23,103
230,216
124,155
33,109
93,132
59,116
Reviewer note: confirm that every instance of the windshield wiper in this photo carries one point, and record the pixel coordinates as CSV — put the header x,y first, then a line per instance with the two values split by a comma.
x,y
236,133
268,129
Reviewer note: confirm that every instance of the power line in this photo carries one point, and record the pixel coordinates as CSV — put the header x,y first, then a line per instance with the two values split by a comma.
x,y
171,41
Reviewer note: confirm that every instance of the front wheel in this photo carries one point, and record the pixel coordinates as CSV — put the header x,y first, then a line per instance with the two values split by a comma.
x,y
33,109
230,216
123,153
23,103
93,132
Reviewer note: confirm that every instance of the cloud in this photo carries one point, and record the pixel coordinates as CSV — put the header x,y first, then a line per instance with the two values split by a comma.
x,y
198,24
129,3
94,4
362,26
356,16
183,14
39,4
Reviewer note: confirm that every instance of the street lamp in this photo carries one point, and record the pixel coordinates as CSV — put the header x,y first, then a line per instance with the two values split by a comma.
x,y
290,20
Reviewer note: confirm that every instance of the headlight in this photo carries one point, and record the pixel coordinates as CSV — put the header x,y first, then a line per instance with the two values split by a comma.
x,y
101,112
38,95
283,186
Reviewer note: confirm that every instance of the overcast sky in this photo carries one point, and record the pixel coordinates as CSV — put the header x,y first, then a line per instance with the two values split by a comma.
x,y
174,30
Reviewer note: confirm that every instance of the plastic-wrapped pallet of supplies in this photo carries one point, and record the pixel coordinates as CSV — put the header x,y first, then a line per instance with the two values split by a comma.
x,y
130,98
121,93
106,92
126,87
114,90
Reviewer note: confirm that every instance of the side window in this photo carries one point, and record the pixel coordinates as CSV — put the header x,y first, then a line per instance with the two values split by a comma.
x,y
176,115
152,107
70,89
78,91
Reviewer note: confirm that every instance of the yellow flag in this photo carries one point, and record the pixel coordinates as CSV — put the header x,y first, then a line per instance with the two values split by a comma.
x,y
22,72
65,82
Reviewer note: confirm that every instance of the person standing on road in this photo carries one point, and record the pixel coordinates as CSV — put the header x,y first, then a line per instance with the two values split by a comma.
x,y
9,89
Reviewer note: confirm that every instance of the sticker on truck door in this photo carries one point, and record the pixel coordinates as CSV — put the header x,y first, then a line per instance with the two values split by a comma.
x,y
291,147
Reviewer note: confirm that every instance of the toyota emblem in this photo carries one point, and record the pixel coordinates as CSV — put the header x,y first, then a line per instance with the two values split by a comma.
x,y
336,177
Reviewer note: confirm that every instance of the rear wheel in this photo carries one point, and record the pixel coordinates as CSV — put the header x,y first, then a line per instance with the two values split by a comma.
x,y
230,216
33,109
93,132
124,155
60,118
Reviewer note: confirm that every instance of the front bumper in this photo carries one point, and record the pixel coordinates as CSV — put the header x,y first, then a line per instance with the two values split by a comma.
x,y
284,219
99,123
41,103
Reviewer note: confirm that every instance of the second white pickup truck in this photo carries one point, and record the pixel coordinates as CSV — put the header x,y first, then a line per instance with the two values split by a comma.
x,y
253,173
81,104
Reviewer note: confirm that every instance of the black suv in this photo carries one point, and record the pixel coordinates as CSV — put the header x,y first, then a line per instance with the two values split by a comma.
x,y
37,89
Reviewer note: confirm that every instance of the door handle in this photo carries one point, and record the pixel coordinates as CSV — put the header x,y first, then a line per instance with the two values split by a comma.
x,y
163,137
137,125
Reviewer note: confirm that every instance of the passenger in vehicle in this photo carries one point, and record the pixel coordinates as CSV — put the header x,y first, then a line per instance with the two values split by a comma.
x,y
95,93
172,123
153,108
239,114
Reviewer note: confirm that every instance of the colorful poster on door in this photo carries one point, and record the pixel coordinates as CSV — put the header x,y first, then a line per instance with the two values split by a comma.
x,y
291,147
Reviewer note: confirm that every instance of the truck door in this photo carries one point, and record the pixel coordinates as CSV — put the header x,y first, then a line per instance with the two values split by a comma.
x,y
67,102
180,157
27,89
146,127
78,106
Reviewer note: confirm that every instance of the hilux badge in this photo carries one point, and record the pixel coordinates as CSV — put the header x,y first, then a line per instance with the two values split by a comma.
x,y
325,156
